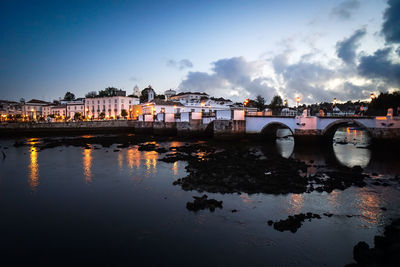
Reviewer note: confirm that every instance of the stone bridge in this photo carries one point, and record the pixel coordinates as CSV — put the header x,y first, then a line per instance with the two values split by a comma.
x,y
306,127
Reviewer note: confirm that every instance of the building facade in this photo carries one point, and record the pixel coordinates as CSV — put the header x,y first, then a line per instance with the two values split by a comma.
x,y
33,108
74,107
111,107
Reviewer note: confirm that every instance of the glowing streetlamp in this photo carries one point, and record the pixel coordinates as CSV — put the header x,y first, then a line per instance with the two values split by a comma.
x,y
372,96
246,102
285,102
298,100
334,101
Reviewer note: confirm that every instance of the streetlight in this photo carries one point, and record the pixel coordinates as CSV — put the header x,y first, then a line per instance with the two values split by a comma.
x,y
334,101
246,102
372,96
298,100
285,102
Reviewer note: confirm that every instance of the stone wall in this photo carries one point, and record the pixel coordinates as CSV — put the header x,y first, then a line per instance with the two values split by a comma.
x,y
228,128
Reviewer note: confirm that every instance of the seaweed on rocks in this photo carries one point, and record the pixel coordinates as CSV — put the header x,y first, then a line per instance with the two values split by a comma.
x,y
386,251
201,203
293,222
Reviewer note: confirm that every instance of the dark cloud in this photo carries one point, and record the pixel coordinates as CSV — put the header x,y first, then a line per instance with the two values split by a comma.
x,y
380,66
346,49
345,9
180,65
391,25
232,78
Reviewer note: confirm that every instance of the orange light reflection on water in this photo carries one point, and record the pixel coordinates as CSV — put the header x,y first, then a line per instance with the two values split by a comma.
x,y
296,202
87,165
33,180
175,168
150,158
369,203
133,158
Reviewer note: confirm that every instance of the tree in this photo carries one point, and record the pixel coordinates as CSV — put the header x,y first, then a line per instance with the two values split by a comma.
x,y
102,115
109,91
77,116
124,113
69,96
144,94
379,105
276,104
260,103
91,94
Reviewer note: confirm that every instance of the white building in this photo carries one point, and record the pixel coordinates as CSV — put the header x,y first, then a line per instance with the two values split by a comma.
x,y
10,108
189,97
46,110
161,106
169,93
201,102
111,106
33,108
77,106
59,111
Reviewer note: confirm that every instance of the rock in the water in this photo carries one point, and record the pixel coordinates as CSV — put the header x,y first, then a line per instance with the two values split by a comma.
x,y
293,222
201,203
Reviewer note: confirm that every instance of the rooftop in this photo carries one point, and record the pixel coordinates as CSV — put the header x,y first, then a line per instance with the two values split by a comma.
x,y
36,101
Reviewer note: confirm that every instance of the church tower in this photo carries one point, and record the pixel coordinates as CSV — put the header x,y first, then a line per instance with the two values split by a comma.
x,y
136,91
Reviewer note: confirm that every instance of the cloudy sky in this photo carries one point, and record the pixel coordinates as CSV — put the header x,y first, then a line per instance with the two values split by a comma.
x,y
236,49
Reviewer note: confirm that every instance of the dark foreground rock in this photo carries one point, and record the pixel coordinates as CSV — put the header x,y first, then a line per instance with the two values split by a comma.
x,y
386,251
237,169
293,222
201,203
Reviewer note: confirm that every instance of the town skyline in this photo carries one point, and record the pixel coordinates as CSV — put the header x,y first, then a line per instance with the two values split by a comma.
x,y
342,49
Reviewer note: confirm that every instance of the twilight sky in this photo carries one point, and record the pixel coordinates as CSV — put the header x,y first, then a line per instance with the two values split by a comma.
x,y
236,49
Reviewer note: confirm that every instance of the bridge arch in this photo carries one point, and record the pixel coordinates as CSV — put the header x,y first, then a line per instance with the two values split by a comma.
x,y
329,131
270,129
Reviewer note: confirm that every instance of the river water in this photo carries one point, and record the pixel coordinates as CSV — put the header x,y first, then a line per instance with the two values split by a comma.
x,y
72,205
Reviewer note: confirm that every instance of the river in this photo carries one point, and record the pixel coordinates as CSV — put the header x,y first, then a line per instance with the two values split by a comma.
x,y
99,205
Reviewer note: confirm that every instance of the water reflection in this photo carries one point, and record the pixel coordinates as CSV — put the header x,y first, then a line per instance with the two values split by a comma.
x,y
369,202
87,165
33,180
350,147
120,161
175,168
296,202
133,158
150,158
284,142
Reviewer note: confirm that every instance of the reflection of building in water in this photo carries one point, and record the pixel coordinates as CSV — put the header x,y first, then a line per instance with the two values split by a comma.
x,y
296,202
246,199
120,160
368,203
175,168
150,158
333,198
87,165
133,158
34,169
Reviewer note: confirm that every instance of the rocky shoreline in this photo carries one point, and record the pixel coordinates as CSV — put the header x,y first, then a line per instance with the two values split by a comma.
x,y
386,251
